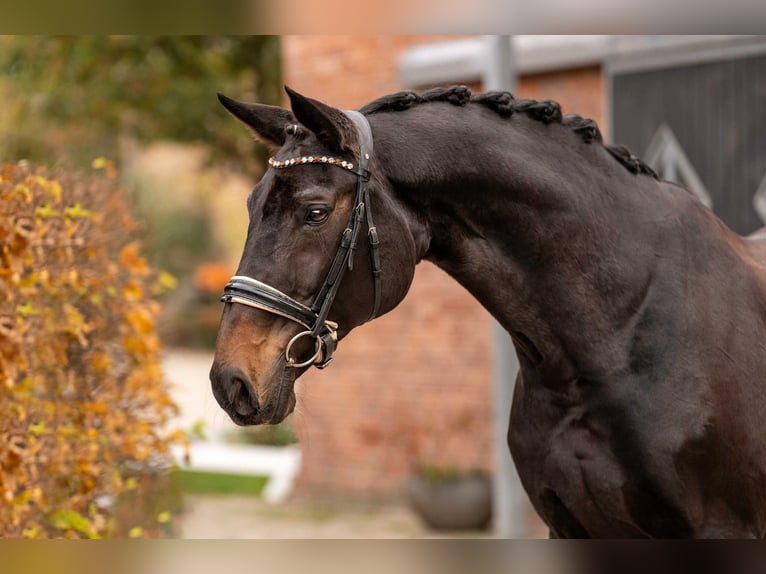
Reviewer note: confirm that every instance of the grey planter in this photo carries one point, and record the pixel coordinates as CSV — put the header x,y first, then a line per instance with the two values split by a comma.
x,y
461,504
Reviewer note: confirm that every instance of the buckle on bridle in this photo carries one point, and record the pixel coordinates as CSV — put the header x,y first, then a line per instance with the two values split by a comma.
x,y
324,347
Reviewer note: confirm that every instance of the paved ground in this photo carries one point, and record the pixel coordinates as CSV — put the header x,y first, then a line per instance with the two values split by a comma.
x,y
229,516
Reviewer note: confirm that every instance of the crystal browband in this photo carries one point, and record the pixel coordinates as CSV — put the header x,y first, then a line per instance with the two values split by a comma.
x,y
311,159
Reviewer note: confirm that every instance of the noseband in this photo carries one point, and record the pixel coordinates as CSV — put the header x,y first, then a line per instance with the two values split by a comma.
x,y
254,293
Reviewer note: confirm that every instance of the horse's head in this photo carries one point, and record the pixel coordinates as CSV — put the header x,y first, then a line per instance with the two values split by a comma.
x,y
300,212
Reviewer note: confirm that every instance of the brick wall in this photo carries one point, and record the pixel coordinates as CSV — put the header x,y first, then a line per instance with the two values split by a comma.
x,y
345,71
412,387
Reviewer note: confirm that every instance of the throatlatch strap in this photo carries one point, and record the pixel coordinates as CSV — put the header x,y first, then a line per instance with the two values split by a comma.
x,y
374,241
366,149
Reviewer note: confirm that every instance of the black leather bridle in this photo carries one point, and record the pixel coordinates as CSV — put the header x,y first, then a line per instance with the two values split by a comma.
x,y
253,293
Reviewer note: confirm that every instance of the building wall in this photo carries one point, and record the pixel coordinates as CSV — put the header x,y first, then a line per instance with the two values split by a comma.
x,y
346,71
413,387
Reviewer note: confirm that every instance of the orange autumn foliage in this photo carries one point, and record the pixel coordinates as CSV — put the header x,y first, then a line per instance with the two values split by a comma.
x,y
83,405
212,277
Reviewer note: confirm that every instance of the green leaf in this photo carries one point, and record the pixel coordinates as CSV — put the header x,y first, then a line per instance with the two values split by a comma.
x,y
25,310
38,429
46,211
78,210
71,520
32,532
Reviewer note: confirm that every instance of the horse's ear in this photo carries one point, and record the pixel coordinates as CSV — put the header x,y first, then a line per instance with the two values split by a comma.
x,y
267,122
330,125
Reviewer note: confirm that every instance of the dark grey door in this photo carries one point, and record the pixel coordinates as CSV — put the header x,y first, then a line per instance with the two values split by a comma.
x,y
716,112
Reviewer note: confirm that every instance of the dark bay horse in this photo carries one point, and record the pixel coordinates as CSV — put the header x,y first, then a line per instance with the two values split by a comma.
x,y
637,316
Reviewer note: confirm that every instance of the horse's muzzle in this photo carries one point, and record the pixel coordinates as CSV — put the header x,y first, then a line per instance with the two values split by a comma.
x,y
236,395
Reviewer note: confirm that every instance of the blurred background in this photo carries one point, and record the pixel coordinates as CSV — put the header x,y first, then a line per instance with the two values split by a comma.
x,y
136,118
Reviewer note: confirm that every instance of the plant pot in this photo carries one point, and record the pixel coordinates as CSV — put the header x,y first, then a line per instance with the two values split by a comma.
x,y
458,504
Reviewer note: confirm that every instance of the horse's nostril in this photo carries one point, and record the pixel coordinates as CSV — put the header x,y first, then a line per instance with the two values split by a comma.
x,y
242,398
236,390
244,406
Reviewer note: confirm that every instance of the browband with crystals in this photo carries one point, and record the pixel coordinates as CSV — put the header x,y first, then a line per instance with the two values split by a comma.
x,y
342,163
310,159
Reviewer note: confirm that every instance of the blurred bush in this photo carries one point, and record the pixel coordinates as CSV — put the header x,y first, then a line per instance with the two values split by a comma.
x,y
149,102
83,406
87,95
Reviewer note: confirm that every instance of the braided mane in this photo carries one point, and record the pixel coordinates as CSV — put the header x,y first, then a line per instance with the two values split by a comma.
x,y
505,105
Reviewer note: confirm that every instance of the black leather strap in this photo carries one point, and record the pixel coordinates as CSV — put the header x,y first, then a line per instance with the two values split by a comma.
x,y
366,149
264,296
374,241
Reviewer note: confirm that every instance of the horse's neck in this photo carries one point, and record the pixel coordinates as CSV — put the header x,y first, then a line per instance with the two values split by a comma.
x,y
534,229
509,197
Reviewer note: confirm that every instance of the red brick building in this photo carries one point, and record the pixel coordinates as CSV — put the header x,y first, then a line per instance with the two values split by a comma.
x,y
400,393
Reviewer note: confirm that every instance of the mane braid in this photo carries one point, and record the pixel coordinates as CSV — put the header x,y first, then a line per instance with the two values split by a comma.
x,y
586,127
634,163
456,95
505,105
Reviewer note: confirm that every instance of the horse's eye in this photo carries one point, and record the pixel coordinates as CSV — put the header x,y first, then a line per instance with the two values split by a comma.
x,y
316,215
